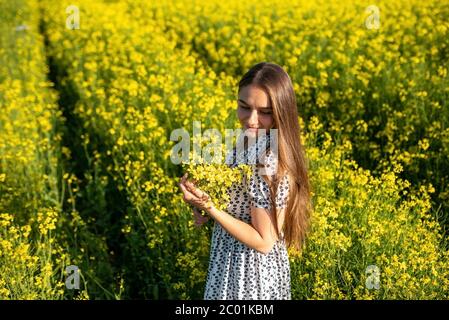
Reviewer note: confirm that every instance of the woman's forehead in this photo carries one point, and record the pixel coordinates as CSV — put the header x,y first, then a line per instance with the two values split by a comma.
x,y
254,96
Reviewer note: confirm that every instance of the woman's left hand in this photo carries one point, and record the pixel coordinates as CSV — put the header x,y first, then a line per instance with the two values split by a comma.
x,y
193,195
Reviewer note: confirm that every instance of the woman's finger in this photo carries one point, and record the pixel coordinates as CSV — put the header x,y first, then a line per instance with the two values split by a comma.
x,y
192,194
197,192
190,184
181,180
196,202
193,189
199,219
188,196
190,187
196,212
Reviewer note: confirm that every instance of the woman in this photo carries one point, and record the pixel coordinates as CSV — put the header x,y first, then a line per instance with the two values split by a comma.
x,y
248,257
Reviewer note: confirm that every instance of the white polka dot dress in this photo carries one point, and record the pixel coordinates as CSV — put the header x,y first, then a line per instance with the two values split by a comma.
x,y
235,270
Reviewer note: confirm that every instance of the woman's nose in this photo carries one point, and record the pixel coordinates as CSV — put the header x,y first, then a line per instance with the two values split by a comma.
x,y
253,118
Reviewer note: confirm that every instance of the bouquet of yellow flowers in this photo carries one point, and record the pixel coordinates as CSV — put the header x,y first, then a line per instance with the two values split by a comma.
x,y
216,179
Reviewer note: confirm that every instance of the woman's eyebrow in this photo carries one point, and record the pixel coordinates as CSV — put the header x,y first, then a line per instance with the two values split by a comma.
x,y
250,105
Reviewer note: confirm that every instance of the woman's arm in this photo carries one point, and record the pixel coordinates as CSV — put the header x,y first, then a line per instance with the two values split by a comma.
x,y
259,235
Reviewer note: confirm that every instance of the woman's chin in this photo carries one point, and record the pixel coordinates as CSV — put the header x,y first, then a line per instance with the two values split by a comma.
x,y
251,132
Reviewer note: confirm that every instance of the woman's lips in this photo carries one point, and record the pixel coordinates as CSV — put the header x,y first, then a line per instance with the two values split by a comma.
x,y
251,129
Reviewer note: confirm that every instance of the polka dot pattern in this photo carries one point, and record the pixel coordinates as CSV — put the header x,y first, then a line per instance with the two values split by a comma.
x,y
237,271
259,191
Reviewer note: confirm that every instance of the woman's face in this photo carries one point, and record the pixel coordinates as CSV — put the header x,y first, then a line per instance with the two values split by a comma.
x,y
254,110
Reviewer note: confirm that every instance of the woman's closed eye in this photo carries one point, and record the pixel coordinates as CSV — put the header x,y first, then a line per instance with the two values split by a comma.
x,y
262,112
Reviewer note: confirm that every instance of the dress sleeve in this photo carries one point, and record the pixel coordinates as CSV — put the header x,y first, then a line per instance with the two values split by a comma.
x,y
259,192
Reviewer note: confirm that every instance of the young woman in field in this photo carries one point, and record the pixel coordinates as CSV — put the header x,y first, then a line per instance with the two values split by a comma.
x,y
266,213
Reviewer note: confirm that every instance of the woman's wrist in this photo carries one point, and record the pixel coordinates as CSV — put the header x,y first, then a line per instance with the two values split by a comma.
x,y
208,207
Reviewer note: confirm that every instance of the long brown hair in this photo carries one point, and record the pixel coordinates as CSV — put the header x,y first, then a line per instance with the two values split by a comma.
x,y
291,155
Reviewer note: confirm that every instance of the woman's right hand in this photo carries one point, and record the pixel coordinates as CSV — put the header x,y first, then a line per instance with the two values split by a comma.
x,y
199,219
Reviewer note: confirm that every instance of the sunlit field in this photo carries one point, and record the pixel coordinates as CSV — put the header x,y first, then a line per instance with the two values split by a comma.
x,y
90,92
